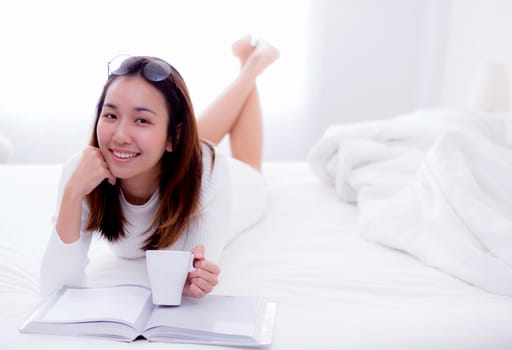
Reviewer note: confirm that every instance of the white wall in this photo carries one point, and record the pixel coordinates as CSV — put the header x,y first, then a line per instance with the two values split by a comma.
x,y
480,32
54,55
370,57
341,61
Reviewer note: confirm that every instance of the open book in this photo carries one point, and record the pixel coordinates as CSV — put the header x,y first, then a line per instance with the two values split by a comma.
x,y
126,312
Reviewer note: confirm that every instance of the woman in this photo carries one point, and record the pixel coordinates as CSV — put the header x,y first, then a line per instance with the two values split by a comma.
x,y
149,180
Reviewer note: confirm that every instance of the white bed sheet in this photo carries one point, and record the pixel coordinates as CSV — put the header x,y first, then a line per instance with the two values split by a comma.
x,y
334,289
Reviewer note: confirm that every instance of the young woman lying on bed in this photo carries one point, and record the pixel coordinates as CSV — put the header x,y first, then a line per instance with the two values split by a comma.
x,y
150,179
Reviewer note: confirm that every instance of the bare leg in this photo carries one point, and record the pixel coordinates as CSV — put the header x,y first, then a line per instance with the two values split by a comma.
x,y
236,112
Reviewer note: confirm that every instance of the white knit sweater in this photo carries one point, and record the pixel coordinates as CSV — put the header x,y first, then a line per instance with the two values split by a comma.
x,y
64,264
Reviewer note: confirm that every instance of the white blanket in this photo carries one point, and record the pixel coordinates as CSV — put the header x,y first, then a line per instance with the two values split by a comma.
x,y
436,184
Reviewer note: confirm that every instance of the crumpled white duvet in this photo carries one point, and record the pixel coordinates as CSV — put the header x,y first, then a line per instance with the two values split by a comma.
x,y
435,183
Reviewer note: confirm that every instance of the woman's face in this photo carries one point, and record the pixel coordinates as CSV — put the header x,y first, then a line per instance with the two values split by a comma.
x,y
132,129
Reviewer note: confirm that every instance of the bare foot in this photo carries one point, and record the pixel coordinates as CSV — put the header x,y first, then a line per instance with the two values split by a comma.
x,y
243,47
261,57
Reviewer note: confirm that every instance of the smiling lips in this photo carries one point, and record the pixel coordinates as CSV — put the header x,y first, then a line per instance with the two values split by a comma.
x,y
124,155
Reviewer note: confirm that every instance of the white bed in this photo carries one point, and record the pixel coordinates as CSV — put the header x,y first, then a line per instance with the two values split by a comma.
x,y
335,289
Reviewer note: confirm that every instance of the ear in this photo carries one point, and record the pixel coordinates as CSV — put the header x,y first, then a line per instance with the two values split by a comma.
x,y
169,147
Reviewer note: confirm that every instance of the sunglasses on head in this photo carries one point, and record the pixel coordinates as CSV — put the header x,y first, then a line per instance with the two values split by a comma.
x,y
153,69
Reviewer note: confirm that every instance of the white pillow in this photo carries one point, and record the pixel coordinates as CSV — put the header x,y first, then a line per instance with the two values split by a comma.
x,y
5,149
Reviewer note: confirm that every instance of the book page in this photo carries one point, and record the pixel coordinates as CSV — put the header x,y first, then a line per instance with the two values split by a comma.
x,y
99,304
235,315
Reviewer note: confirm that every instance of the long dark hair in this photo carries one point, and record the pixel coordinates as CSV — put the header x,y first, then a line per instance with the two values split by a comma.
x,y
181,169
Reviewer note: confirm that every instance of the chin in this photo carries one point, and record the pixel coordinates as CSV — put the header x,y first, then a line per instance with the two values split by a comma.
x,y
120,174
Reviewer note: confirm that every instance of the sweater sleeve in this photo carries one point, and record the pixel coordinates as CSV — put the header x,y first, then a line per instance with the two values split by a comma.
x,y
63,263
210,224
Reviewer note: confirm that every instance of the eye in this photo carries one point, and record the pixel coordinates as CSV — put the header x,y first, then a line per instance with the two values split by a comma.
x,y
109,116
142,121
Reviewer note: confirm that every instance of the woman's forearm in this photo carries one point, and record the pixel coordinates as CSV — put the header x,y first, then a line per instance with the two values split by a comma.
x,y
69,217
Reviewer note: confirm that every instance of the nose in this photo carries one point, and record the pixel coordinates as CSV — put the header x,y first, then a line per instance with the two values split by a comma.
x,y
121,133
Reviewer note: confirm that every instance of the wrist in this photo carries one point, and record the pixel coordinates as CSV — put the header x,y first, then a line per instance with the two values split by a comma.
x,y
72,193
69,217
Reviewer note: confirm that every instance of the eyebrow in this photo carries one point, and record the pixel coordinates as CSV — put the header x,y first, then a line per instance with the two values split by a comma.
x,y
137,109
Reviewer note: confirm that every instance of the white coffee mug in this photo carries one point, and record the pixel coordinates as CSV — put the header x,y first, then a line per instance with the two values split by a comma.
x,y
167,274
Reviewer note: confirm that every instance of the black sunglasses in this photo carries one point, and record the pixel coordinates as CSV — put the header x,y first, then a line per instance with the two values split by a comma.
x,y
154,69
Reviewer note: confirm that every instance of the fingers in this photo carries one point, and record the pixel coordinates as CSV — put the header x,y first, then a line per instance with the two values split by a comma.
x,y
111,178
209,273
104,173
195,291
198,287
204,278
207,267
97,158
198,252
91,171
